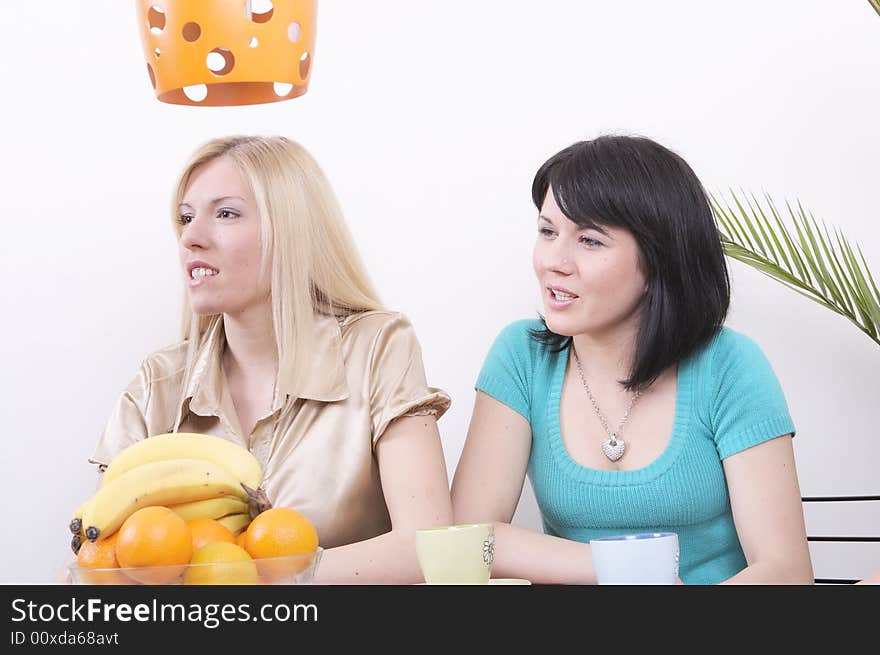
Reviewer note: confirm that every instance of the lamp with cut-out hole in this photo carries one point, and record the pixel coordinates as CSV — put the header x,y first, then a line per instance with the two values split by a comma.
x,y
227,52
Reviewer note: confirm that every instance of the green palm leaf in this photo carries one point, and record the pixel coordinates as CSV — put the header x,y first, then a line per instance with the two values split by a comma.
x,y
876,5
816,263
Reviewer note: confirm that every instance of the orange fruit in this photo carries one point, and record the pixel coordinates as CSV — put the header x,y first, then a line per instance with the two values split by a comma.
x,y
223,563
100,555
154,537
281,532
239,540
206,531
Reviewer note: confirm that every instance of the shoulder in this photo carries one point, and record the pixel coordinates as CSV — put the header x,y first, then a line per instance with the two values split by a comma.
x,y
515,347
175,352
729,349
170,357
378,335
374,324
515,366
729,340
160,376
733,368
516,341
165,365
518,334
521,329
372,321
744,401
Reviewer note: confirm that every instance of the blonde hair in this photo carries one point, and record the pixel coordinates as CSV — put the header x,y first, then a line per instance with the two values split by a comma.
x,y
316,268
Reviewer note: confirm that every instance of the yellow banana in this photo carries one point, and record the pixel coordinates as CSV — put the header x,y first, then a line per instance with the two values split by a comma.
x,y
235,523
187,445
75,525
211,508
166,482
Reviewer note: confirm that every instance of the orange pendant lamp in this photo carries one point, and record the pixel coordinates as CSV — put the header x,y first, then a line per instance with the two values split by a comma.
x,y
227,52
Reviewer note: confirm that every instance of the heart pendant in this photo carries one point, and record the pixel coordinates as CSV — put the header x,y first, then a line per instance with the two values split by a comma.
x,y
613,447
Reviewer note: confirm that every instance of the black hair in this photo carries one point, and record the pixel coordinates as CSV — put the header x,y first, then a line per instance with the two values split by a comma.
x,y
636,184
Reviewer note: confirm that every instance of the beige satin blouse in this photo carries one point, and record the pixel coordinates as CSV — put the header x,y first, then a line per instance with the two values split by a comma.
x,y
316,450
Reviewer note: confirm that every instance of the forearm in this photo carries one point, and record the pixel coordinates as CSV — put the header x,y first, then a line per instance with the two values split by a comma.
x,y
780,571
540,558
389,558
416,490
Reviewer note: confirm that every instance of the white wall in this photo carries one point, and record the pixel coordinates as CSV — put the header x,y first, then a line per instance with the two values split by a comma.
x,y
430,119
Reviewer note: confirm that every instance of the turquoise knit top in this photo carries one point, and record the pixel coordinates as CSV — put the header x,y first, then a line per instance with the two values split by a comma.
x,y
727,399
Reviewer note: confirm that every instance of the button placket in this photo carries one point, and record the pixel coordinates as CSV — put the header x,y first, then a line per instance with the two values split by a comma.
x,y
262,442
264,434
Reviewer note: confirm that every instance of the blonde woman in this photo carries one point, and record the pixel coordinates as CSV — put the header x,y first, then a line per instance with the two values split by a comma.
x,y
288,352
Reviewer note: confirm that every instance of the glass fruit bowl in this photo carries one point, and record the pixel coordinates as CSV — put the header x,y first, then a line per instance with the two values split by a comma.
x,y
289,570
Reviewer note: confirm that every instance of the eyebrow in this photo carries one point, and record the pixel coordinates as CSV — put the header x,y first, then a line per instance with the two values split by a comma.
x,y
215,201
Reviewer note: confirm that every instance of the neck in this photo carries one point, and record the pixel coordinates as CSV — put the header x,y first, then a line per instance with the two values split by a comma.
x,y
606,357
250,342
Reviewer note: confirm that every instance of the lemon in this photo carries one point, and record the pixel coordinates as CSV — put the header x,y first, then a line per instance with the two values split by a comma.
x,y
221,563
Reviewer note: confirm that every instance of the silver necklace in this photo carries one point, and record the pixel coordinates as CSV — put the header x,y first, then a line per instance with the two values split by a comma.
x,y
613,446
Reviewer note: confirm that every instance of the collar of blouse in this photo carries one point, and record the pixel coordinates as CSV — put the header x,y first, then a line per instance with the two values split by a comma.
x,y
326,381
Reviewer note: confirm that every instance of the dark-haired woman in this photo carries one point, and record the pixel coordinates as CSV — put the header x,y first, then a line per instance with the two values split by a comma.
x,y
629,405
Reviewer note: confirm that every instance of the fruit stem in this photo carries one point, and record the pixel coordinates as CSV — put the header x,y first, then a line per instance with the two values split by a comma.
x,y
258,501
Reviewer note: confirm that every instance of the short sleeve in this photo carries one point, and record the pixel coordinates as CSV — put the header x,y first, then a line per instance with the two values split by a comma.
x,y
506,372
127,423
748,406
398,386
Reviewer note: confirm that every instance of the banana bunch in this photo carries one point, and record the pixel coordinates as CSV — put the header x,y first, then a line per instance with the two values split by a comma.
x,y
196,475
210,508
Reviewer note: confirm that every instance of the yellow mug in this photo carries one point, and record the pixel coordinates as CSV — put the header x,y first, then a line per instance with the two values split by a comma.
x,y
456,554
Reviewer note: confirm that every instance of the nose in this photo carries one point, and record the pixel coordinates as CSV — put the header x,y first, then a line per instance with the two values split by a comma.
x,y
196,234
557,258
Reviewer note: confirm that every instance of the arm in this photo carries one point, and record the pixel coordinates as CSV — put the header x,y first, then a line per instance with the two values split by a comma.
x,y
766,503
416,489
487,486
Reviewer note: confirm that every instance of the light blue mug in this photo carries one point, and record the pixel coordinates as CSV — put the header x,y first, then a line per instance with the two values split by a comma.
x,y
643,558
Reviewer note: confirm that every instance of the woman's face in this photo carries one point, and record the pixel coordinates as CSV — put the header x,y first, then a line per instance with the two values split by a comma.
x,y
220,242
591,282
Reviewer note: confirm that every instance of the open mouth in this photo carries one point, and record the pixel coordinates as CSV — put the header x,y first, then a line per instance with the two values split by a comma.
x,y
559,297
202,272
